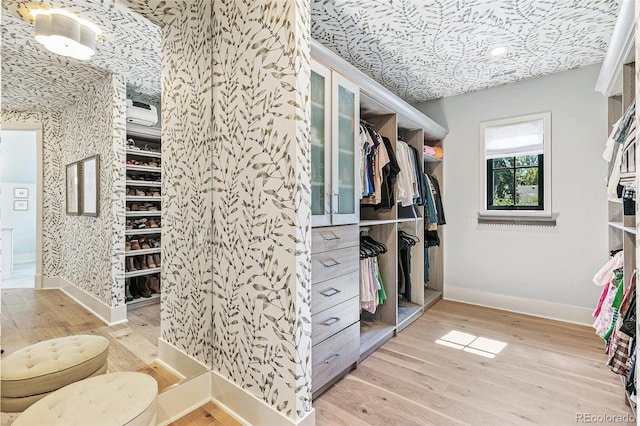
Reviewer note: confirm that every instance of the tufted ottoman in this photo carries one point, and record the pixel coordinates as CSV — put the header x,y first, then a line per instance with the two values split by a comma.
x,y
33,372
114,399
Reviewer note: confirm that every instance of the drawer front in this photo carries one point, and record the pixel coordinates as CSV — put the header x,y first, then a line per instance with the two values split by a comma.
x,y
334,355
328,322
333,264
332,292
334,237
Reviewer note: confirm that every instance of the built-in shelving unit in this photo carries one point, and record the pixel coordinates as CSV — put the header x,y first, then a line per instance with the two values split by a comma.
x,y
144,175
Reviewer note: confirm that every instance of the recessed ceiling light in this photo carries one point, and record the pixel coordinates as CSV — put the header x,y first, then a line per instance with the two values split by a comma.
x,y
498,51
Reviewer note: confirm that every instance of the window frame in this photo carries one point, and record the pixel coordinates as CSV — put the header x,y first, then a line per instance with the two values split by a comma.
x,y
485,190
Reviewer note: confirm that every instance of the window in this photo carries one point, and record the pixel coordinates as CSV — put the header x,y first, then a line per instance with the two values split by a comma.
x,y
516,163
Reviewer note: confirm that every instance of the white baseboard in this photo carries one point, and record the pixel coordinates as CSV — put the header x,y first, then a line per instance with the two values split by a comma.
x,y
183,398
235,400
538,308
109,315
24,258
47,283
180,363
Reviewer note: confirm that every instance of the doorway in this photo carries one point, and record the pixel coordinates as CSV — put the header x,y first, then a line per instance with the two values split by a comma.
x,y
20,201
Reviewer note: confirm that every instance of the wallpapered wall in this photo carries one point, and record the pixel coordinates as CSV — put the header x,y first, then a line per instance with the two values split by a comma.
x,y
86,251
261,200
186,181
236,192
94,247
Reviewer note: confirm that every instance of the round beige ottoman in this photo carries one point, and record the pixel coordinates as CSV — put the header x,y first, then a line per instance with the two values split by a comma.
x,y
33,372
107,400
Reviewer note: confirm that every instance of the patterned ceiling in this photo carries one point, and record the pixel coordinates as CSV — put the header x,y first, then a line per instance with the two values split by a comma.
x,y
419,49
34,79
428,49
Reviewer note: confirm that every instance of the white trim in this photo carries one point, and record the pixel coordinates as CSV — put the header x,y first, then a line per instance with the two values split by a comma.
x,y
24,258
37,127
178,361
619,50
182,399
538,308
109,315
547,212
47,283
233,399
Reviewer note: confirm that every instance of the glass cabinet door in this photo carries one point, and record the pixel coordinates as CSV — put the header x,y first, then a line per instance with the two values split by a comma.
x,y
345,182
320,145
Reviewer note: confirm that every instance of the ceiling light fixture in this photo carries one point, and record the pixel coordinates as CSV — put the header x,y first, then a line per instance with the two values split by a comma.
x,y
498,51
65,34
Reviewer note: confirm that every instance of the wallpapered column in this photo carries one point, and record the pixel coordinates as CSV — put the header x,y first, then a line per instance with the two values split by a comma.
x,y
186,180
261,200
93,257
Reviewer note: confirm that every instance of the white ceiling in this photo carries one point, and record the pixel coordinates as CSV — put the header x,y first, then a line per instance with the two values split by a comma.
x,y
419,49
428,49
34,79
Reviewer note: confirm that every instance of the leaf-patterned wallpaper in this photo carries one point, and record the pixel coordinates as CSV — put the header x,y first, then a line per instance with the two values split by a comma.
x,y
87,251
34,79
428,49
186,181
261,200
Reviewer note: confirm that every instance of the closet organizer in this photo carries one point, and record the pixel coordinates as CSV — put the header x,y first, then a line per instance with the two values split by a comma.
x,y
368,216
143,210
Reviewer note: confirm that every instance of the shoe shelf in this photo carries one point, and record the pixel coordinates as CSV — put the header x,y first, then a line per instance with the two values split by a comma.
x,y
142,252
145,198
143,153
143,301
145,183
143,213
131,168
142,272
143,231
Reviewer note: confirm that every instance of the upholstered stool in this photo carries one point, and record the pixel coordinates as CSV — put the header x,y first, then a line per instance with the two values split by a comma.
x,y
107,400
31,373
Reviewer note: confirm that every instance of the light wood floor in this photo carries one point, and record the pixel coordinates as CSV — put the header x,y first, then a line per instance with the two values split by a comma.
x,y
30,316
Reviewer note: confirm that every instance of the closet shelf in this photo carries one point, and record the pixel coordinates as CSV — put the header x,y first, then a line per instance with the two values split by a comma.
x,y
142,272
143,153
143,301
146,183
631,403
407,313
409,219
431,159
142,252
373,335
431,297
143,169
620,225
143,213
142,231
615,200
132,198
377,222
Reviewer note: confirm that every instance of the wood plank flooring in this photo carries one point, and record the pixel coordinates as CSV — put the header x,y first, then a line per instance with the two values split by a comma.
x,y
208,414
548,373
29,316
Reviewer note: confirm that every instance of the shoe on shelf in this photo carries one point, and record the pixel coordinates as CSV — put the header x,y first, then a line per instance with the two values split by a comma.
x,y
143,287
135,207
131,191
150,262
156,258
144,244
127,292
142,264
127,246
140,193
130,265
133,287
135,245
153,223
129,224
155,194
154,285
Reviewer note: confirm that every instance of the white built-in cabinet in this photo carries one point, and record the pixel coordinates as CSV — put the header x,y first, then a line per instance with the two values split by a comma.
x,y
341,335
335,108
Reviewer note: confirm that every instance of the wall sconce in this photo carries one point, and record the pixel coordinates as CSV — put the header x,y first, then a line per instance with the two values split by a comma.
x,y
65,34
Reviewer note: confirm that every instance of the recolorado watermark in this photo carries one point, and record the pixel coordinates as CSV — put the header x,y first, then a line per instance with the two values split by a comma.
x,y
605,418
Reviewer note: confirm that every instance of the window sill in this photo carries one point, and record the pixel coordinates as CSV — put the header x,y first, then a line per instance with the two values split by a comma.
x,y
517,220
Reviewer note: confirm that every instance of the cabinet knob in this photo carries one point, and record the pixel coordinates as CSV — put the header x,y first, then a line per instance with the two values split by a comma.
x,y
331,358
330,321
330,265
330,292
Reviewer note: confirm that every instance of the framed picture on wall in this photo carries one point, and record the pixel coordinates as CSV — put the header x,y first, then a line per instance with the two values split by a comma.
x,y
90,194
73,189
20,192
21,205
